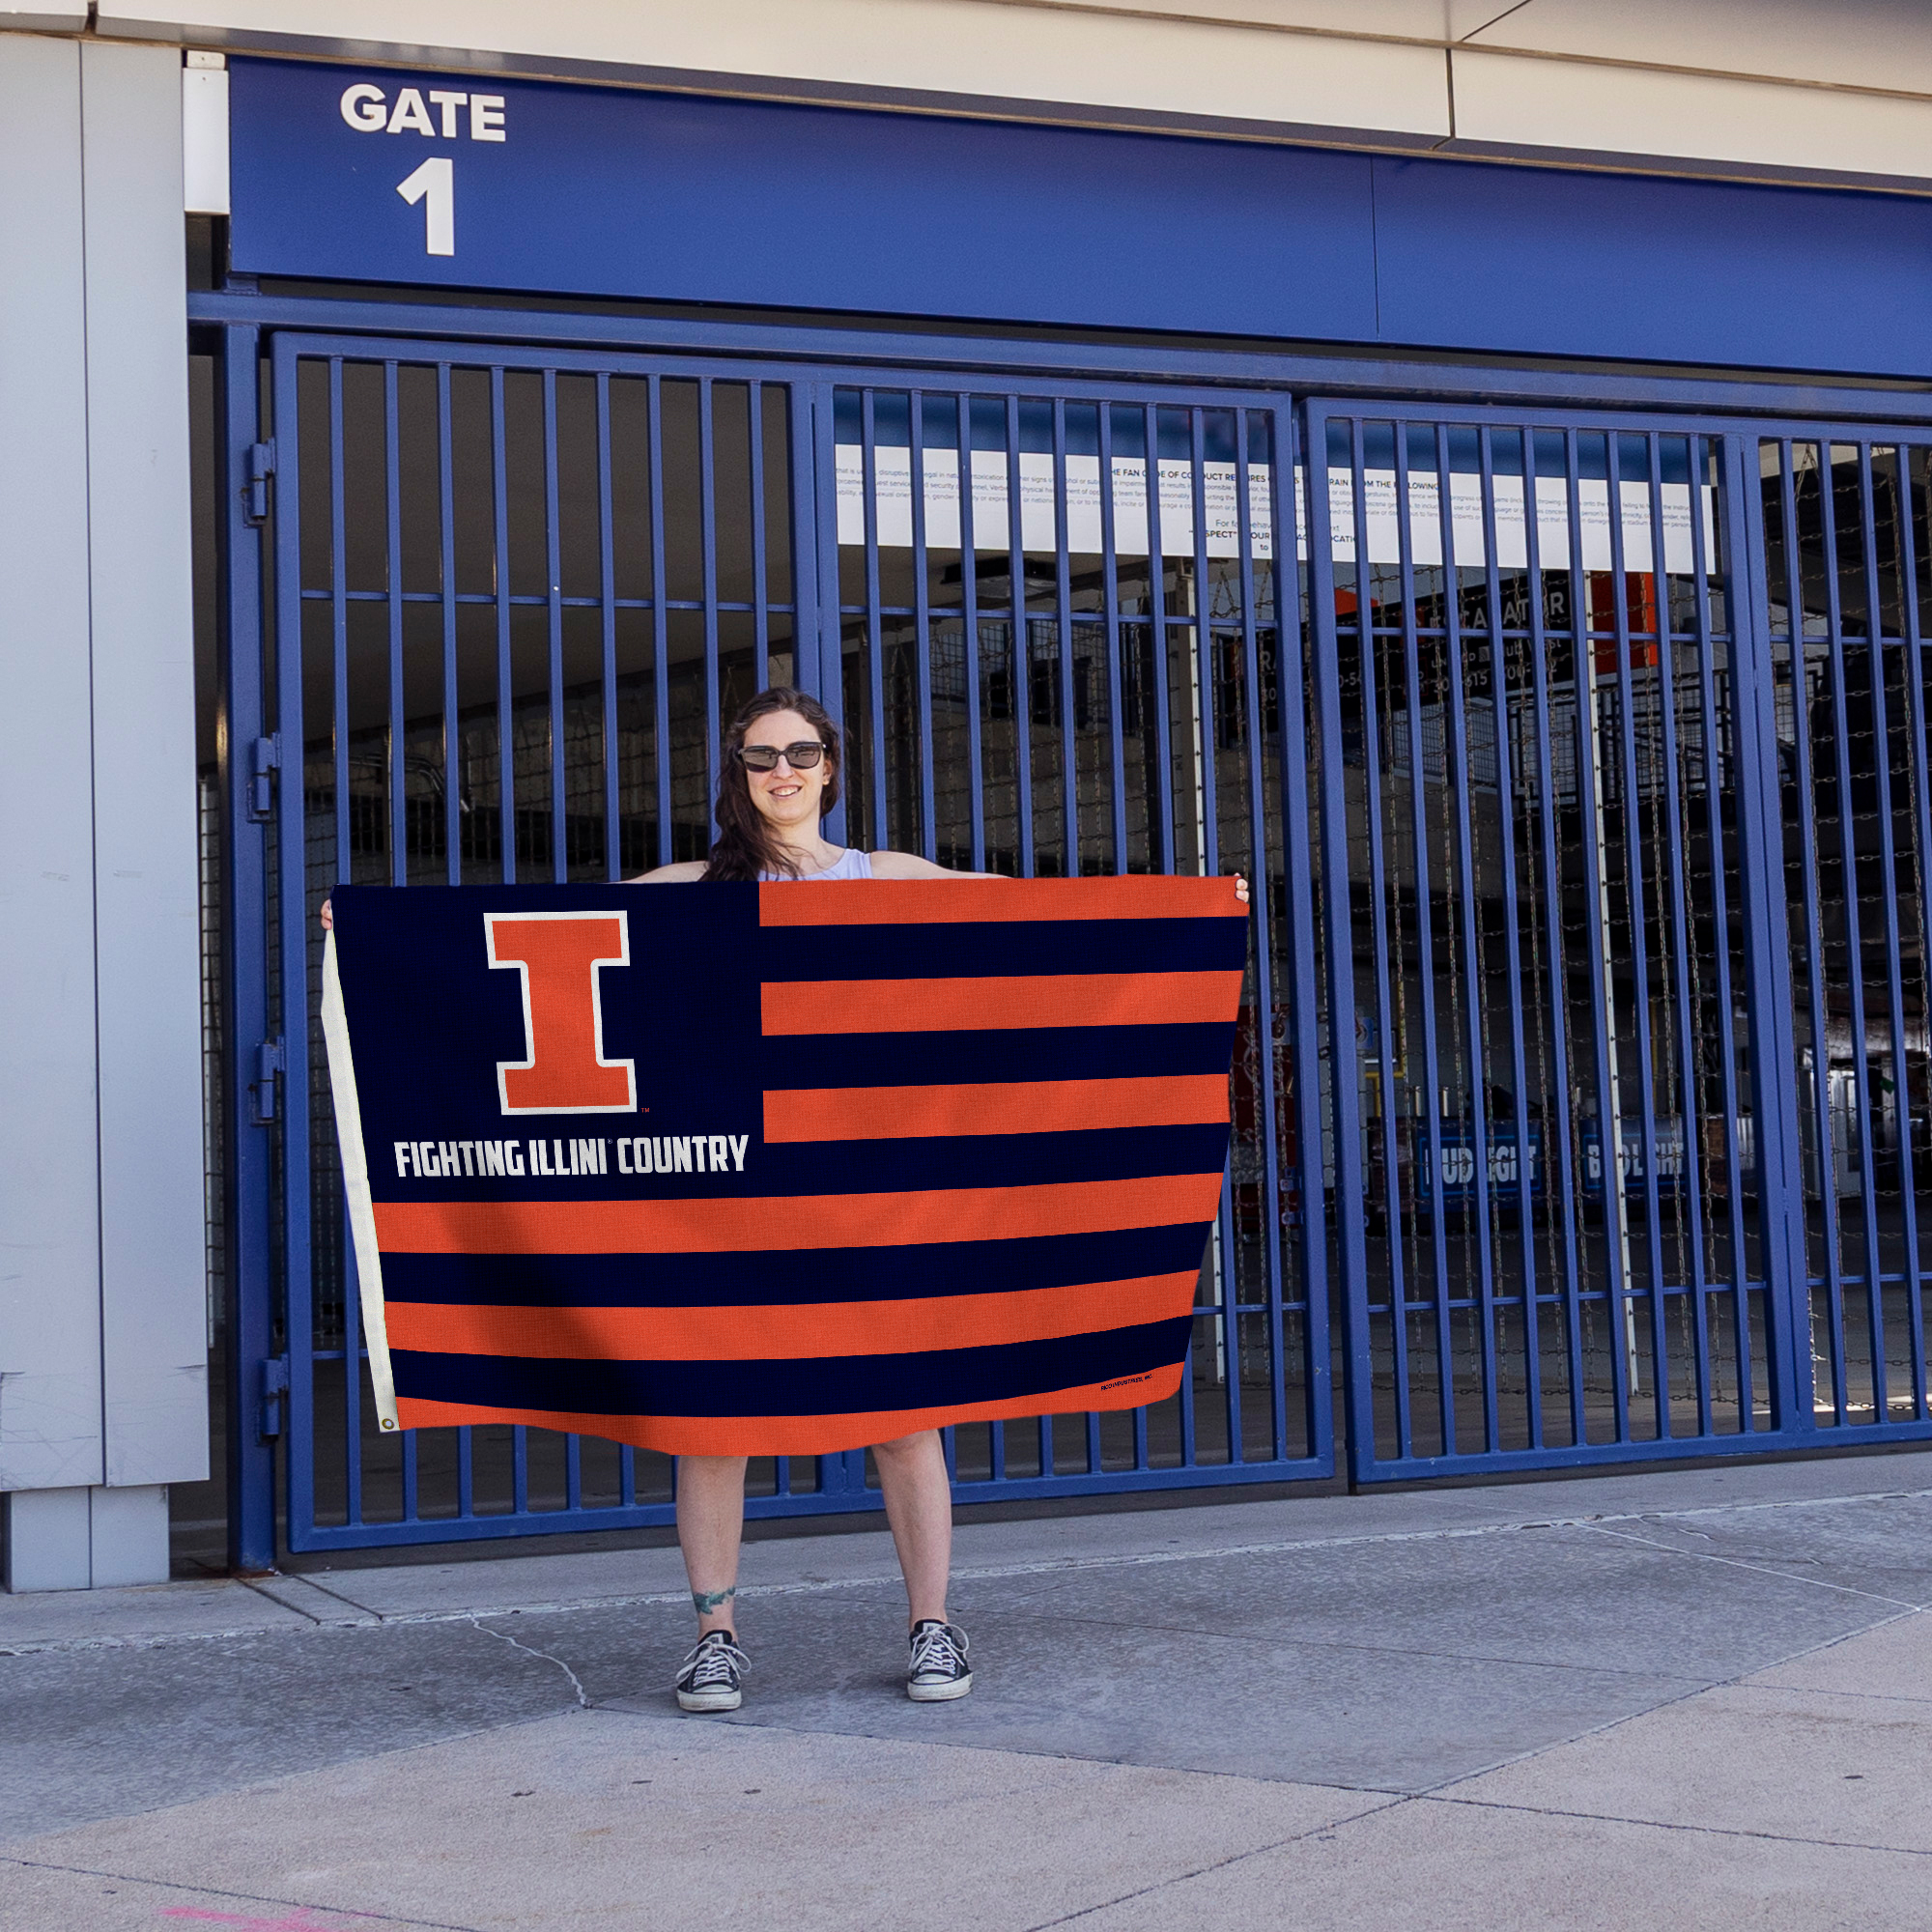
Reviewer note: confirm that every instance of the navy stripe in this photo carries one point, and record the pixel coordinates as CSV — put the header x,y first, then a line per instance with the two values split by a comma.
x,y
822,1386
993,949
946,1058
822,1274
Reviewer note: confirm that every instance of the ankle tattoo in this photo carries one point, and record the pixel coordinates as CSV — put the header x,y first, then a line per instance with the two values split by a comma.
x,y
704,1602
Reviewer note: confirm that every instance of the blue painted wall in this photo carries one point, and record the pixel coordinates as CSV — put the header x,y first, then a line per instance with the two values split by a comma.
x,y
607,192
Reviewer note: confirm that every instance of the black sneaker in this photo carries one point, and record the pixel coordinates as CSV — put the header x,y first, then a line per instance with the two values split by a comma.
x,y
709,1679
939,1669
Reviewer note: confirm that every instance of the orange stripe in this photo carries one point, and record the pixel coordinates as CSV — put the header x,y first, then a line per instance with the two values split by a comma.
x,y
790,1332
977,902
1010,1000
789,1223
1017,1107
796,1435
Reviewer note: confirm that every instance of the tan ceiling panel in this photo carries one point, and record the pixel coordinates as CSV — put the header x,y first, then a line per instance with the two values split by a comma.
x,y
1521,103
1080,57
1882,44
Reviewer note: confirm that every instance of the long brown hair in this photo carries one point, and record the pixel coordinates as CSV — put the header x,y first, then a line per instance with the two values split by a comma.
x,y
745,845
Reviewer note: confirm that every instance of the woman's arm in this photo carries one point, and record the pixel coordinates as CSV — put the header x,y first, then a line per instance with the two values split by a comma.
x,y
687,871
907,866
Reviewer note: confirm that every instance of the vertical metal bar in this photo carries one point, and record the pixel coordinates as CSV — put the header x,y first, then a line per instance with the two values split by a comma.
x,y
1553,896
928,828
1164,861
559,796
1110,601
1207,766
1022,653
660,622
969,644
1069,776
506,719
1298,859
874,640
1855,951
452,706
1676,886
707,523
1633,898
762,621
1459,797
291,947
1911,645
1895,975
1337,930
1203,654
249,1171
1506,784
465,1472
1590,797
1372,806
392,586
297,984
1425,942
1264,926
1814,936
607,601
1716,754
1765,909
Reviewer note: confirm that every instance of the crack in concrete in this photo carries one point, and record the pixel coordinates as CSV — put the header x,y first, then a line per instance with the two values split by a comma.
x,y
576,1684
1757,1568
1668,1825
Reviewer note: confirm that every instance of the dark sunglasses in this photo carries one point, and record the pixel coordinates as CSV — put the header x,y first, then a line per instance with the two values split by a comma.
x,y
801,757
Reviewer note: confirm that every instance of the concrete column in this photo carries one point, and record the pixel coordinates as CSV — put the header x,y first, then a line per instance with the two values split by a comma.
x,y
103,1354
50,1421
85,1539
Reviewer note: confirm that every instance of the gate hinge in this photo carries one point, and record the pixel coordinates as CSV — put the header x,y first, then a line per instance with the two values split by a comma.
x,y
260,466
274,1386
266,761
267,1064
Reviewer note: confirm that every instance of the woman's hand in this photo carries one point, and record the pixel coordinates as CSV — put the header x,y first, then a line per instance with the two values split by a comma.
x,y
1240,892
328,917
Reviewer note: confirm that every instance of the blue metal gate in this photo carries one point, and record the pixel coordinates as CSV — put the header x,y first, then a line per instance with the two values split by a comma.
x,y
1624,756
1581,765
515,591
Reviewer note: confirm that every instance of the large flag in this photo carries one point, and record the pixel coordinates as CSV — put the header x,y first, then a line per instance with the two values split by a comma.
x,y
784,1169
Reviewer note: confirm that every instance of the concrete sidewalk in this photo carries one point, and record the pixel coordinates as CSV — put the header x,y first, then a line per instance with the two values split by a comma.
x,y
1694,1698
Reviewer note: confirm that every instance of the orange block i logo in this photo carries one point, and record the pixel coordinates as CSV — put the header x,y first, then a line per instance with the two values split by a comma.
x,y
559,957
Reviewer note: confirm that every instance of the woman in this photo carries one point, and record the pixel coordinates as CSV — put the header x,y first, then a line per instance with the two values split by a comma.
x,y
777,779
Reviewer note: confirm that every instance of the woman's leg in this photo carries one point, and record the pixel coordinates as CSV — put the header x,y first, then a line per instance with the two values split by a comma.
x,y
918,1507
710,1527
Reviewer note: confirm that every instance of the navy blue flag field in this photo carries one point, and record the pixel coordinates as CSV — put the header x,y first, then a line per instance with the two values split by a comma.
x,y
784,1169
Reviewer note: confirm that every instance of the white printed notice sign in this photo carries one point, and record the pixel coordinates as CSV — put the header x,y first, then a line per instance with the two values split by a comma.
x,y
1170,526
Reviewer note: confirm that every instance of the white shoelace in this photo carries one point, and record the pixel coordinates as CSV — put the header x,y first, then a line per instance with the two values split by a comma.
x,y
934,1650
712,1662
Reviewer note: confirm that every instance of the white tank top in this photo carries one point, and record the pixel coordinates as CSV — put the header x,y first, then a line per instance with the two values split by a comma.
x,y
851,864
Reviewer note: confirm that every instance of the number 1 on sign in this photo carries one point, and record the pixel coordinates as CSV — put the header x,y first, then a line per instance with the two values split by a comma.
x,y
435,182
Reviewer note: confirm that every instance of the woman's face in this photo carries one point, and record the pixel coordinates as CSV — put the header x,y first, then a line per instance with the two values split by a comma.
x,y
788,799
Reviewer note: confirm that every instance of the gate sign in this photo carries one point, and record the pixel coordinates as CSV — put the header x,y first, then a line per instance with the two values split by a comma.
x,y
473,180
786,1169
